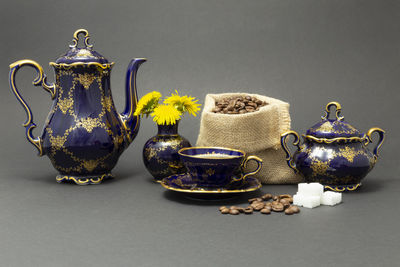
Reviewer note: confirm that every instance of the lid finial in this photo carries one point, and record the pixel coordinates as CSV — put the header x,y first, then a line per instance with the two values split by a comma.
x,y
338,110
76,38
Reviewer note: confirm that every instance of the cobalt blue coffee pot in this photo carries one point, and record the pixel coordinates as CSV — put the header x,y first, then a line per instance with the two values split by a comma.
x,y
83,135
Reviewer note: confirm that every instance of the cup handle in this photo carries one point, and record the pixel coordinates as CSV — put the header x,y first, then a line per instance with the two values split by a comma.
x,y
259,166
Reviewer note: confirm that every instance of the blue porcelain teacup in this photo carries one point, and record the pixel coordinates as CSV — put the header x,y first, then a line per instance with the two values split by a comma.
x,y
216,166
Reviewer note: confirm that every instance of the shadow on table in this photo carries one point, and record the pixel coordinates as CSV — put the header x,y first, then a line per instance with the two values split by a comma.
x,y
369,185
211,200
50,178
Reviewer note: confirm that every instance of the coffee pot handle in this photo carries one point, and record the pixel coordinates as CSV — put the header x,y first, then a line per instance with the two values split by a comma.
x,y
289,158
381,139
259,166
39,81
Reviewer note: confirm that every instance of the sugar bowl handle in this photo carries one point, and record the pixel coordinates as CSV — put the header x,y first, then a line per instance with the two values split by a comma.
x,y
39,81
289,158
381,139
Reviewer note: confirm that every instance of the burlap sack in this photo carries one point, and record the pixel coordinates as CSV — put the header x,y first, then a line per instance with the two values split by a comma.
x,y
257,133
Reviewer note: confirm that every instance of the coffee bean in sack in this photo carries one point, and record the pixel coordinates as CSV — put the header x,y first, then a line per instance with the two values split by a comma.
x,y
238,105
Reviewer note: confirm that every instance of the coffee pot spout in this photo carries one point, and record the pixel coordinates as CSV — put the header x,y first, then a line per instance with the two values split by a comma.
x,y
130,121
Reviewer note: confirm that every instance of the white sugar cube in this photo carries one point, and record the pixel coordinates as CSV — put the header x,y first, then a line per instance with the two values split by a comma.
x,y
312,195
306,201
338,197
298,199
316,189
311,201
311,189
331,198
302,188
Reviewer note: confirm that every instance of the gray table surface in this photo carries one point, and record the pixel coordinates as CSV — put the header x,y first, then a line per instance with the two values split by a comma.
x,y
132,221
307,53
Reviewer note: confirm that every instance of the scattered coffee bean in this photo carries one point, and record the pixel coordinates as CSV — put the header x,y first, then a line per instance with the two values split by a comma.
x,y
258,206
295,209
263,204
238,105
256,199
275,202
278,207
265,211
225,211
248,210
285,202
289,211
267,197
240,209
233,212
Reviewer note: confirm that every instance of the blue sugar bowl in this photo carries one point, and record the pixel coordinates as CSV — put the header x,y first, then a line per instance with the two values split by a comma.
x,y
333,153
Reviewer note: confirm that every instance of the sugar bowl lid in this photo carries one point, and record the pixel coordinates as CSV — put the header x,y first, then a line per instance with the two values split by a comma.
x,y
81,55
333,128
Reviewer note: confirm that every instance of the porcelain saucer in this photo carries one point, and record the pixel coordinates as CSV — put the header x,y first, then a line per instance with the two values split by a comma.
x,y
184,183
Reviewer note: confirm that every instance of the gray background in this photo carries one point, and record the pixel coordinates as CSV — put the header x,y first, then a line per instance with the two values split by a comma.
x,y
304,52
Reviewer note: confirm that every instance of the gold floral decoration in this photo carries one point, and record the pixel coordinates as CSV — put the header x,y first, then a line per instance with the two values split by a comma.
x,y
86,79
65,104
325,127
349,153
210,172
151,153
107,102
90,165
83,53
58,141
89,123
319,167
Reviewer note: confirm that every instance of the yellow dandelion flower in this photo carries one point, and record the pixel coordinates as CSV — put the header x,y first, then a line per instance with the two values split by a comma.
x,y
183,103
166,114
147,103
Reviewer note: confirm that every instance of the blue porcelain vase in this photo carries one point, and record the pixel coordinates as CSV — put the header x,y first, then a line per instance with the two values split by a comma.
x,y
160,153
333,153
83,135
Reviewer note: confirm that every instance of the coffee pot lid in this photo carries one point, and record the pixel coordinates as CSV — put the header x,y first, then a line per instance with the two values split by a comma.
x,y
333,128
81,55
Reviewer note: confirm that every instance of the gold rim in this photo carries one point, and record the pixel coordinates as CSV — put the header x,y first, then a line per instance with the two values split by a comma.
x,y
87,64
217,191
342,188
332,140
210,147
83,180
